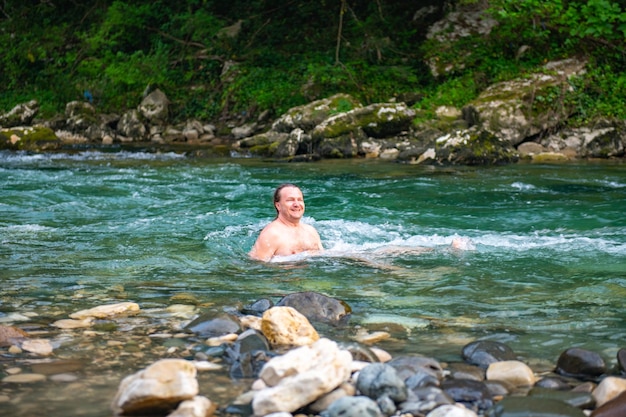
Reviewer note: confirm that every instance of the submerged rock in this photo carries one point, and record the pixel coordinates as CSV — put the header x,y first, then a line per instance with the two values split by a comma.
x,y
582,363
485,352
317,307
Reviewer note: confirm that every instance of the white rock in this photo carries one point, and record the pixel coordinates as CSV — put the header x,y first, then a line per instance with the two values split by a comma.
x,y
37,346
514,372
301,376
73,324
198,406
609,388
105,311
160,386
450,410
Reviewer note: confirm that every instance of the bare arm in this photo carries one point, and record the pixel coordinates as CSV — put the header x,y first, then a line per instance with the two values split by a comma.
x,y
265,246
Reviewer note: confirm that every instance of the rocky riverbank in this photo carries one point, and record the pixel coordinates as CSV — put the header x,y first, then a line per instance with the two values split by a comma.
x,y
279,362
510,121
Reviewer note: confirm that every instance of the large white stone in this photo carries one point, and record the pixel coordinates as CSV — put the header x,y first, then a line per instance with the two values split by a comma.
x,y
160,386
301,376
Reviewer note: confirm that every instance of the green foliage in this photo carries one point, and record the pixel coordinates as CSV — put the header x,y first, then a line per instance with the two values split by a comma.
x,y
290,53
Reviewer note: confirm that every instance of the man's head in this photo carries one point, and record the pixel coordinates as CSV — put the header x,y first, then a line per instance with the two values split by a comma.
x,y
285,195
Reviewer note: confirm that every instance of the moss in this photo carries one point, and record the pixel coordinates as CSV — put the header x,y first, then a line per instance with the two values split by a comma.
x,y
29,139
261,149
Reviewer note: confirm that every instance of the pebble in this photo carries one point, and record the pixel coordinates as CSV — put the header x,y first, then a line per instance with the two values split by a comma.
x,y
24,378
64,378
513,372
357,406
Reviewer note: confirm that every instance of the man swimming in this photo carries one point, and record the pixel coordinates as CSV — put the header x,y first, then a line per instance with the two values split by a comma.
x,y
286,235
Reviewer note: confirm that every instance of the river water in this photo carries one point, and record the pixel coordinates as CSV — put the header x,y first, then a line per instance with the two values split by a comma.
x,y
544,268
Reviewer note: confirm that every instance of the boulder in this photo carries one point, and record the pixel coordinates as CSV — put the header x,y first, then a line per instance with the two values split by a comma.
x,y
34,138
307,116
155,107
301,376
285,326
20,115
317,307
158,388
517,109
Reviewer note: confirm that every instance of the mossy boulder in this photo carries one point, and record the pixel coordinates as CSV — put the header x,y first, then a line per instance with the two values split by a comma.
x,y
378,120
36,138
518,109
474,146
307,116
20,115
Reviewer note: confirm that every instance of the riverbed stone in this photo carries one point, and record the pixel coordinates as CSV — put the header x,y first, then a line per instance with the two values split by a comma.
x,y
285,326
346,389
41,347
462,370
159,387
609,388
381,380
473,394
485,352
539,407
10,335
210,326
317,307
357,406
578,399
198,406
409,365
424,399
105,311
513,372
74,324
450,410
614,408
301,376
24,378
621,360
580,363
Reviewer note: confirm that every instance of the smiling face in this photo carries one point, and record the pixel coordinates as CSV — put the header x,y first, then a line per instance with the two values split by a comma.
x,y
290,204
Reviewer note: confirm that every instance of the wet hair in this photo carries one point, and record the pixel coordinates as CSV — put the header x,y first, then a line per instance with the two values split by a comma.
x,y
278,190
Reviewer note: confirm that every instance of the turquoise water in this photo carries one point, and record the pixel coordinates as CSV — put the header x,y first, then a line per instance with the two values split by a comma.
x,y
545,269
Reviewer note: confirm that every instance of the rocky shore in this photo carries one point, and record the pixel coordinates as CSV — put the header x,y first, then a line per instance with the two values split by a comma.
x,y
282,365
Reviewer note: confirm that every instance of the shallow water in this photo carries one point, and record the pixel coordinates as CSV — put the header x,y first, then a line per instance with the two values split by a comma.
x,y
545,268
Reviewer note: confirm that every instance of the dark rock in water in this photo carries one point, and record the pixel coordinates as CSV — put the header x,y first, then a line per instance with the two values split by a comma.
x,y
621,360
379,380
499,388
421,379
251,340
317,307
580,363
539,407
614,408
552,382
407,366
249,364
258,307
576,399
248,354
354,407
485,352
473,394
211,327
462,370
423,400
